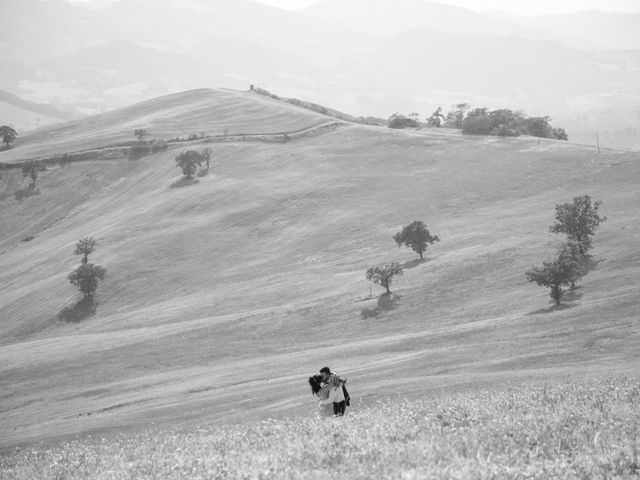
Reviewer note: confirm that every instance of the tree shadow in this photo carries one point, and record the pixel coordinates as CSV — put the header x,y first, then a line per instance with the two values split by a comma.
x,y
553,308
573,294
413,263
79,311
184,182
385,303
26,193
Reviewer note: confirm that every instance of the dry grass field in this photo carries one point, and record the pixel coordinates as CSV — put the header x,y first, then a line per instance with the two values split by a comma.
x,y
222,296
567,430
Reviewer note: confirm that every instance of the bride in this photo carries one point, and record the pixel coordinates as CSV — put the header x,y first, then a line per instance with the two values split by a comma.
x,y
322,392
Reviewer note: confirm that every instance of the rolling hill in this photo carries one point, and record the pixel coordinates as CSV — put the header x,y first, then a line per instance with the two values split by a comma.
x,y
224,295
210,111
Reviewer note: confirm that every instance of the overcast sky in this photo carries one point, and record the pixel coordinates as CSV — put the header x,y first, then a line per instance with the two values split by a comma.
x,y
528,7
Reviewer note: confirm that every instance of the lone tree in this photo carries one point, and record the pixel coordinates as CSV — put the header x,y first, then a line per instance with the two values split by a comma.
x,y
32,169
84,247
416,236
86,277
579,221
8,135
141,133
188,161
557,273
383,274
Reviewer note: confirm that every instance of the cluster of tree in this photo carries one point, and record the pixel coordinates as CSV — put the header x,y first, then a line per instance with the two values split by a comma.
x,y
190,160
579,221
415,236
482,121
507,123
87,275
8,135
398,121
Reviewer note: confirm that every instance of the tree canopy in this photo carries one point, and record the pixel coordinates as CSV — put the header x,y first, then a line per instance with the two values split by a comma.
x,y
416,236
383,274
578,220
141,133
563,270
85,246
86,277
8,135
507,123
398,120
188,161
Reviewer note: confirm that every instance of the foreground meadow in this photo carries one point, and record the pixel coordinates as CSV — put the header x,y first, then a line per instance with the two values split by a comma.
x,y
572,429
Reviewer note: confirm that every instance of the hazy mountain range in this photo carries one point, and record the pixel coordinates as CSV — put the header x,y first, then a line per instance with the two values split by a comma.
x,y
363,57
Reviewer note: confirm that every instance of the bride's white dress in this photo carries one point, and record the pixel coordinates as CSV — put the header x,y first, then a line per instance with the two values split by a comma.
x,y
324,410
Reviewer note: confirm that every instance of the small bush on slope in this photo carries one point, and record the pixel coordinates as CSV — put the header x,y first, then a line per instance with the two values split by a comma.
x,y
570,430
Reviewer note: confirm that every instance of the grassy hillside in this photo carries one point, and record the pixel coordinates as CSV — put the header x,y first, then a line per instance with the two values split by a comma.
x,y
223,296
213,112
571,430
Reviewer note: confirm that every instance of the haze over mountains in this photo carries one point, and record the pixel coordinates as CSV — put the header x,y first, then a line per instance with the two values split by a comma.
x,y
366,58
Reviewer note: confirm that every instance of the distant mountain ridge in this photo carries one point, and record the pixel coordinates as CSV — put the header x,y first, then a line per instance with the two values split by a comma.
x,y
416,56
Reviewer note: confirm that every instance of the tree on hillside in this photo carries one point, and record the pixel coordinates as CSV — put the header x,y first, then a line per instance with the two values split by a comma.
x,y
32,169
578,221
436,118
416,236
383,274
86,277
141,133
8,135
188,161
85,246
555,274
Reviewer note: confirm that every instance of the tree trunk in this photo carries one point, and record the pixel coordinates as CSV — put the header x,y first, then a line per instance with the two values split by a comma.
x,y
556,293
420,255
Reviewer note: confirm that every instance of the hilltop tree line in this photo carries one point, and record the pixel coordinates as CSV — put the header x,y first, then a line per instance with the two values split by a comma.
x,y
482,121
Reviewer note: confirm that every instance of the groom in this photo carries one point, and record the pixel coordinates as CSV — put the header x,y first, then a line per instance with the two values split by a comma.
x,y
342,399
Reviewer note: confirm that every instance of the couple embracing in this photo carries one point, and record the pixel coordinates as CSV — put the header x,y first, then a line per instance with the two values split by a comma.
x,y
331,392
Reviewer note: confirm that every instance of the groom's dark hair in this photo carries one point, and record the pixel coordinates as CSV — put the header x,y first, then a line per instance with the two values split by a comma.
x,y
326,370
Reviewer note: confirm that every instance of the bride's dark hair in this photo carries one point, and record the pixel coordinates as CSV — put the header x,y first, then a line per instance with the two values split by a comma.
x,y
315,383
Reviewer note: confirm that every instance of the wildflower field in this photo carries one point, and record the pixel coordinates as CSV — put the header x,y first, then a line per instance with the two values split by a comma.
x,y
564,430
